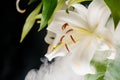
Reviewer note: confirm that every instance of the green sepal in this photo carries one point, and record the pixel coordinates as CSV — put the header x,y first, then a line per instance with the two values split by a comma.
x,y
30,21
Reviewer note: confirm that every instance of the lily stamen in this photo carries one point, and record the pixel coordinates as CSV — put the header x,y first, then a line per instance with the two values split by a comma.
x,y
72,39
61,39
69,31
64,26
56,46
67,48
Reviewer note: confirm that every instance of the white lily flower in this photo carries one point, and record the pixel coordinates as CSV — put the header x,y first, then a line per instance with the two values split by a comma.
x,y
80,33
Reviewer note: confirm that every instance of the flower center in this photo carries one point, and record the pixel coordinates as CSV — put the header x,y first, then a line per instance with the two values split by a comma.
x,y
72,35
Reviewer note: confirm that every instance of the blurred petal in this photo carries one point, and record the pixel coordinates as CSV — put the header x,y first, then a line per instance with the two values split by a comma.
x,y
31,75
98,14
112,55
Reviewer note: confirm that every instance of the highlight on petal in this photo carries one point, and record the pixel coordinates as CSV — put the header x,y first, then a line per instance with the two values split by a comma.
x,y
98,14
18,7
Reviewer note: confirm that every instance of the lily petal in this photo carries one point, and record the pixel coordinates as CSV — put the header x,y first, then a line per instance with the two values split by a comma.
x,y
61,17
49,38
82,10
110,25
117,34
31,75
107,37
57,52
80,60
98,14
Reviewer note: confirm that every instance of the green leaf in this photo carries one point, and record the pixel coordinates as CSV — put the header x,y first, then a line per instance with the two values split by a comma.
x,y
30,22
114,6
100,70
60,5
94,76
48,9
114,71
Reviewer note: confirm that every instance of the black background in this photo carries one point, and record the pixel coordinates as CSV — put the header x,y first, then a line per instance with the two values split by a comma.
x,y
18,58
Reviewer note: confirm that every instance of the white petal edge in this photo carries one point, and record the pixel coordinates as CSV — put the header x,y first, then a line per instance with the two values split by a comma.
x,y
98,13
110,25
49,38
117,34
31,75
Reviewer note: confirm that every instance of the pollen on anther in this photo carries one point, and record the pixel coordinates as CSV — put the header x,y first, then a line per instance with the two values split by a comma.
x,y
67,48
72,39
64,26
61,39
69,31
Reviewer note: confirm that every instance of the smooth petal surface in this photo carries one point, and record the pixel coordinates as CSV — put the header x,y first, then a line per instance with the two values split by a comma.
x,y
107,37
98,14
82,10
82,55
107,42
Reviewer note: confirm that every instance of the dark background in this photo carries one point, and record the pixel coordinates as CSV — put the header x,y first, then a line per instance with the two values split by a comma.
x,y
18,58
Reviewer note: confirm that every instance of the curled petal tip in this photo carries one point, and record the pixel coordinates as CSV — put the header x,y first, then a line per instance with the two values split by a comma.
x,y
18,8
